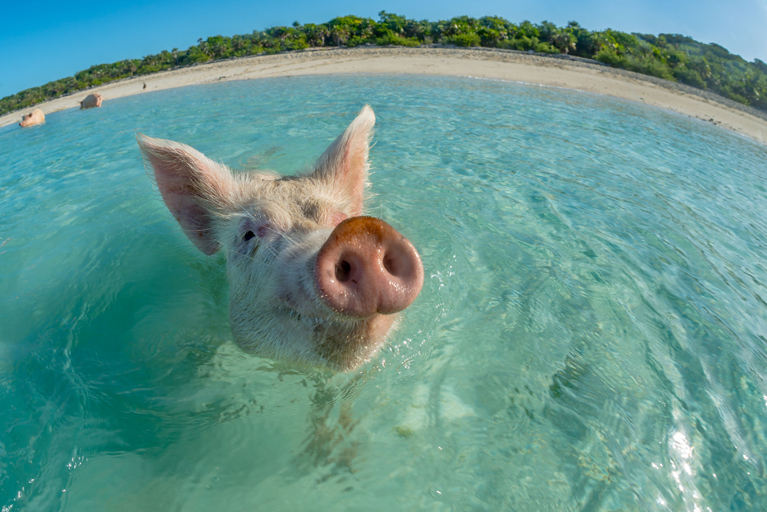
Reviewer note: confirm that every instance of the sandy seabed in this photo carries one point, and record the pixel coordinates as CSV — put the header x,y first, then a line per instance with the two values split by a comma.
x,y
480,63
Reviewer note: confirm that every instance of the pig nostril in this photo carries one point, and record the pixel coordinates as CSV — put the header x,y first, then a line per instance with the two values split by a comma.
x,y
343,270
390,264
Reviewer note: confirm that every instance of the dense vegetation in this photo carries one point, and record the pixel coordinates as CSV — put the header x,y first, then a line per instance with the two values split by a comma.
x,y
673,57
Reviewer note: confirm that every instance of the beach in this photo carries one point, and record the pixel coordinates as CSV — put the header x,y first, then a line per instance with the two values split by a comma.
x,y
576,74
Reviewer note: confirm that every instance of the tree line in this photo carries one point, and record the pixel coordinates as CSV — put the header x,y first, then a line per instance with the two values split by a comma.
x,y
670,56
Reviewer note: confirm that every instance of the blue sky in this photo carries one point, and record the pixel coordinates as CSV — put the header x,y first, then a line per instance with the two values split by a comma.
x,y
45,40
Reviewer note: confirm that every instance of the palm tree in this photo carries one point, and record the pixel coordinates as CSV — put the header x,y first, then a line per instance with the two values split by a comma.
x,y
564,41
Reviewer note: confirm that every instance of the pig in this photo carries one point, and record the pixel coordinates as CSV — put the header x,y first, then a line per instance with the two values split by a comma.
x,y
91,101
312,280
33,118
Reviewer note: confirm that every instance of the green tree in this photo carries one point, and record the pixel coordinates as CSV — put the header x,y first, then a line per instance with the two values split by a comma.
x,y
671,56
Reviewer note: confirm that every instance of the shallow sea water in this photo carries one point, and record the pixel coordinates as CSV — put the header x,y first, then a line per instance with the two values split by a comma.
x,y
591,333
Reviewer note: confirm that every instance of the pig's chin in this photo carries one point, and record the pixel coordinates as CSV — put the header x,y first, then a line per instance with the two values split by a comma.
x,y
343,344
345,347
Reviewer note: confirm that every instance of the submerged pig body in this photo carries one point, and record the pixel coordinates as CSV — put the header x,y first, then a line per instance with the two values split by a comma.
x,y
311,279
91,101
33,118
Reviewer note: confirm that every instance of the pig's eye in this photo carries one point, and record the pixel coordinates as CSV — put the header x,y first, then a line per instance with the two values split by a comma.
x,y
247,236
311,209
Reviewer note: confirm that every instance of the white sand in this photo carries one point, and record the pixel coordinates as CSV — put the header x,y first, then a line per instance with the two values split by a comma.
x,y
484,63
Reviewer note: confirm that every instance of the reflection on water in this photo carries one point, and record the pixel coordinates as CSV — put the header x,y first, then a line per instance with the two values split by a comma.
x,y
591,333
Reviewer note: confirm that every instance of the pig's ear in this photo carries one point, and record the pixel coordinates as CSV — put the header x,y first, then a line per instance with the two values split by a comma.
x,y
193,187
345,162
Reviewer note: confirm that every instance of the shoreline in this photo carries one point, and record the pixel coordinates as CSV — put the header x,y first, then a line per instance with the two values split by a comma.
x,y
567,73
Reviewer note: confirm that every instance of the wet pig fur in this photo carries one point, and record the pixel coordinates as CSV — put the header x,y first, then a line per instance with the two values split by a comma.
x,y
311,279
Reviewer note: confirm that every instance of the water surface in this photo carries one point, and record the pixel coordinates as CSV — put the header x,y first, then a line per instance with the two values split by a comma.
x,y
590,336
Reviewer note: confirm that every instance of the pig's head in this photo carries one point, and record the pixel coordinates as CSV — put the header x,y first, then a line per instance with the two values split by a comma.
x,y
311,279
33,118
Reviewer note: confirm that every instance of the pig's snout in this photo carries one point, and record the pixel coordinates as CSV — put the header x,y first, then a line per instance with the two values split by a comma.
x,y
366,267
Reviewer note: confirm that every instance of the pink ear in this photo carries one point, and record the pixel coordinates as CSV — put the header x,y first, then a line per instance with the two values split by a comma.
x,y
193,187
345,162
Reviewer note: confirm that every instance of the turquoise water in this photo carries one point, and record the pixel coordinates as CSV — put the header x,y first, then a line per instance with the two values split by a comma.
x,y
591,335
